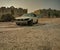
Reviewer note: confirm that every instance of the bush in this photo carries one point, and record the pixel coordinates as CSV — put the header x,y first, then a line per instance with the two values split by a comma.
x,y
7,18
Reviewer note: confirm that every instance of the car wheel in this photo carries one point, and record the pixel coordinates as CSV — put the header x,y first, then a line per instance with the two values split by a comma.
x,y
36,21
30,23
18,23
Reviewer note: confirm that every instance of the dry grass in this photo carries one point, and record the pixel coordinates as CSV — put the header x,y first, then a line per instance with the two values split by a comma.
x,y
43,36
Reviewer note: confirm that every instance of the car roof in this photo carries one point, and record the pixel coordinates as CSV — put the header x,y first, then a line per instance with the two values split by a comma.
x,y
29,15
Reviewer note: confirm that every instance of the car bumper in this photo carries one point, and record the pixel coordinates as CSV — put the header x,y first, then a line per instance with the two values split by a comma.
x,y
22,22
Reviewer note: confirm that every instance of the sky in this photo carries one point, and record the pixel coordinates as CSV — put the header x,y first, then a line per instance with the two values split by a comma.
x,y
31,5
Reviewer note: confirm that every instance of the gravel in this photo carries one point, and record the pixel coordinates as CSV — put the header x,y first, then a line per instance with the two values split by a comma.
x,y
38,37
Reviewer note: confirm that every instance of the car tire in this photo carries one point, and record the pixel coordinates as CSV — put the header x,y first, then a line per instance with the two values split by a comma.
x,y
36,21
18,23
30,23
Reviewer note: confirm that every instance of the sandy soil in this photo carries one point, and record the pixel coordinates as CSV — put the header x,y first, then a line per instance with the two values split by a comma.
x,y
42,36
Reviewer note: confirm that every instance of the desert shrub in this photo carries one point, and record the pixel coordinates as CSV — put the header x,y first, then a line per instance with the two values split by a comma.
x,y
7,18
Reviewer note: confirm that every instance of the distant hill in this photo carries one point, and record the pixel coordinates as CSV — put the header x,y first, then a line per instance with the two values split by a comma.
x,y
12,10
50,13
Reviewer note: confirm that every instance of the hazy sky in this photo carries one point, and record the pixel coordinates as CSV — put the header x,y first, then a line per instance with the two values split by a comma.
x,y
32,5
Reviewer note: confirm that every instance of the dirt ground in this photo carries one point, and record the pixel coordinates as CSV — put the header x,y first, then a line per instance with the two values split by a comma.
x,y
42,36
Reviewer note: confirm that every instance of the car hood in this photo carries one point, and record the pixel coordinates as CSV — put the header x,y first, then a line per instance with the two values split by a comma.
x,y
22,17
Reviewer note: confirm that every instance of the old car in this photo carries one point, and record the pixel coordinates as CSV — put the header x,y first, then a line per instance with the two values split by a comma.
x,y
28,19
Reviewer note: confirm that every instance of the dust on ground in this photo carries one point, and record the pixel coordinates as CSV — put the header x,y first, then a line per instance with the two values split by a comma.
x,y
42,36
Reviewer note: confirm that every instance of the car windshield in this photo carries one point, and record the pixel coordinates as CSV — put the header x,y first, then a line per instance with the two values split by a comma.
x,y
30,15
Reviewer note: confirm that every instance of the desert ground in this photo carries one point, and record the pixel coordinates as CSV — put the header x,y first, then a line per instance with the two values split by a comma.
x,y
42,36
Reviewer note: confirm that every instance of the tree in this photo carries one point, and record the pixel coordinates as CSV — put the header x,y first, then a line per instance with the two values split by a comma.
x,y
12,11
7,18
49,14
